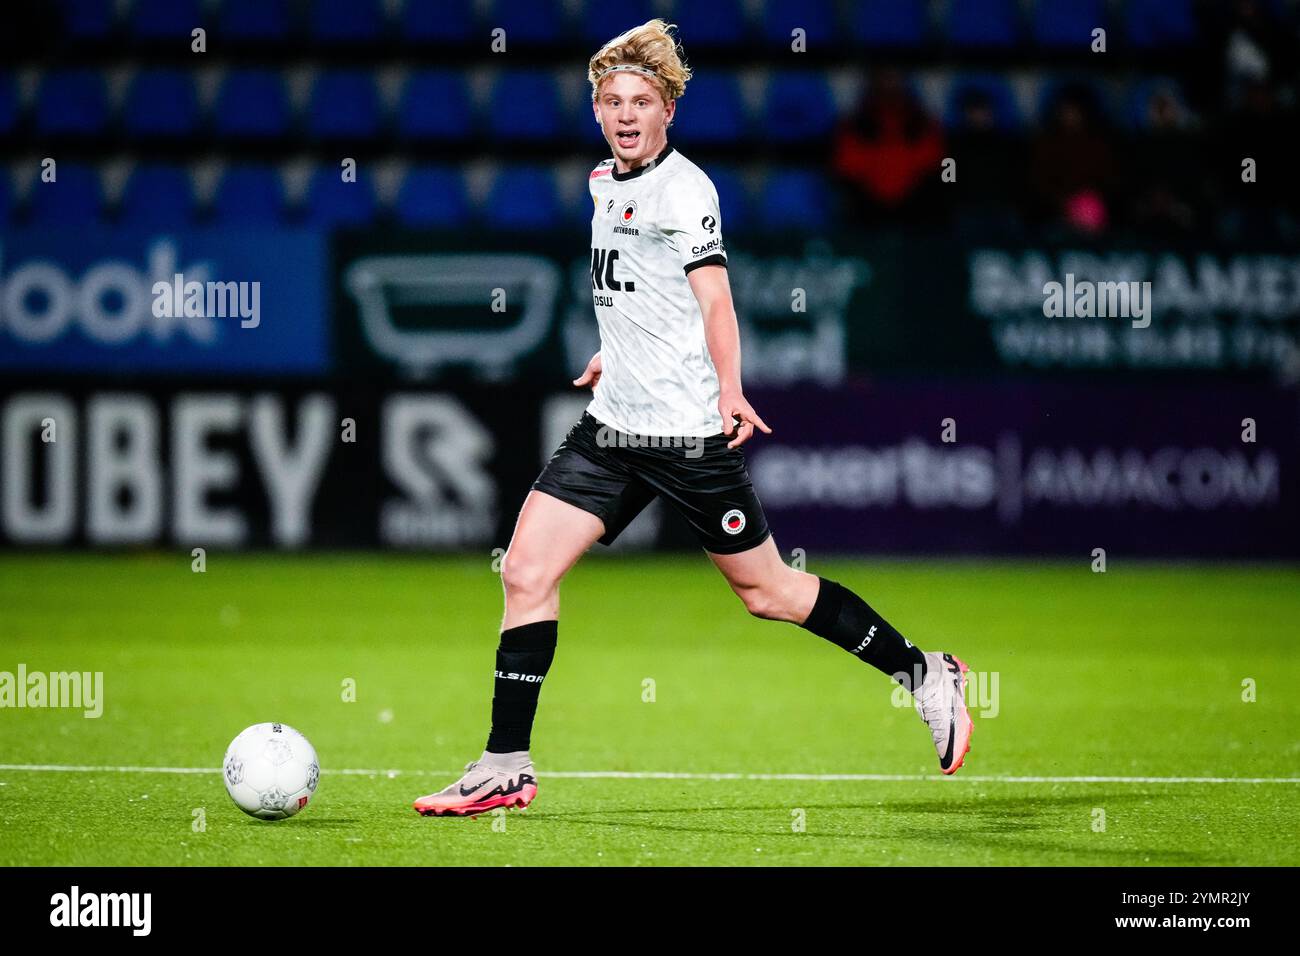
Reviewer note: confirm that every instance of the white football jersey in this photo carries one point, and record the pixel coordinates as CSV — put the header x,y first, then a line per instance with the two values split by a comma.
x,y
651,227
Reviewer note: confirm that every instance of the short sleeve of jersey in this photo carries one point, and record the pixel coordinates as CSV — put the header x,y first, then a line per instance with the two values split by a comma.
x,y
602,169
692,222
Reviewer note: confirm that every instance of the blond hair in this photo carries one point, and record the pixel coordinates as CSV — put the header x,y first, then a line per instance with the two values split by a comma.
x,y
652,49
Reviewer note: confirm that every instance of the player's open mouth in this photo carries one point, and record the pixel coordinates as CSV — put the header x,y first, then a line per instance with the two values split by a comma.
x,y
628,138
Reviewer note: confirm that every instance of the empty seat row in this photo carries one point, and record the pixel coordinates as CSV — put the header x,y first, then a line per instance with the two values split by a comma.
x,y
428,196
908,23
432,105
439,106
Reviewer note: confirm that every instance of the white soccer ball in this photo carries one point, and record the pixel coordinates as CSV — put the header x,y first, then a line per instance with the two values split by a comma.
x,y
270,771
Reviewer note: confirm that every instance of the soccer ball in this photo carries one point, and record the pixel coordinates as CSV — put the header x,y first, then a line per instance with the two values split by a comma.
x,y
270,771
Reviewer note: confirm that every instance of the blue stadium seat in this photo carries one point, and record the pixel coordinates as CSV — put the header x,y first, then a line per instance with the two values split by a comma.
x,y
249,195
799,106
588,129
158,197
436,105
890,23
165,19
433,197
8,103
983,23
524,104
1050,90
603,21
1067,23
733,201
331,202
718,23
254,20
161,103
523,197
87,19
252,103
451,21
345,22
72,101
75,198
815,17
344,103
529,21
712,110
1157,23
795,199
1139,99
994,86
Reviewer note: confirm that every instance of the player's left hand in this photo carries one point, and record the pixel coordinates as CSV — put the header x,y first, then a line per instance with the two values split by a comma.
x,y
739,415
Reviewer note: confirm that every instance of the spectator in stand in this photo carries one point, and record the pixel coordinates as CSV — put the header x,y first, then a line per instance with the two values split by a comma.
x,y
1257,48
1262,131
887,153
985,198
1168,168
1073,165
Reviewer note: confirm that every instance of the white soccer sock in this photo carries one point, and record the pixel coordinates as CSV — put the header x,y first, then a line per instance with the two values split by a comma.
x,y
510,762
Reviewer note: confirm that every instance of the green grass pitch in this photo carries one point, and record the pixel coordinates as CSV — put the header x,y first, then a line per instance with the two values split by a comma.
x,y
1136,674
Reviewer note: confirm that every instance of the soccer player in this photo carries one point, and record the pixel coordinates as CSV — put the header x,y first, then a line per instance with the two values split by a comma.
x,y
666,420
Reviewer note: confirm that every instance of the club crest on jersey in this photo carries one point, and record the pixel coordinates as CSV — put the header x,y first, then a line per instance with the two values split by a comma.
x,y
625,216
733,522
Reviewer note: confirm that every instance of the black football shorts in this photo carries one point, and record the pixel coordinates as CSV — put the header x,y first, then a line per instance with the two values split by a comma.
x,y
613,476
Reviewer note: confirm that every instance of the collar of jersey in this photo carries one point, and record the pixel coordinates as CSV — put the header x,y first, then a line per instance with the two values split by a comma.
x,y
634,173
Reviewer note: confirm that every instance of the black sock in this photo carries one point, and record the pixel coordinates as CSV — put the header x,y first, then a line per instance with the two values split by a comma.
x,y
846,620
523,658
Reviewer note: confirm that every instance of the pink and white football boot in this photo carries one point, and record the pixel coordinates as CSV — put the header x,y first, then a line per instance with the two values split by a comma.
x,y
481,789
941,702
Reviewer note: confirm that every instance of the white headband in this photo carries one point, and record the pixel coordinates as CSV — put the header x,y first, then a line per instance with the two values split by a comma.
x,y
626,68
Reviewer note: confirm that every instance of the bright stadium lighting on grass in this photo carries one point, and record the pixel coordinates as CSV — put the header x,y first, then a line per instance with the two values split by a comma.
x,y
270,771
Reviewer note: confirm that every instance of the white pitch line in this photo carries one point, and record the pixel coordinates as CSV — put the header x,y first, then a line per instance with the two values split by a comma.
x,y
666,775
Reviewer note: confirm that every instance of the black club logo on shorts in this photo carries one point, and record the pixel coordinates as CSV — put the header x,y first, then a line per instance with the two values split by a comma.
x,y
733,522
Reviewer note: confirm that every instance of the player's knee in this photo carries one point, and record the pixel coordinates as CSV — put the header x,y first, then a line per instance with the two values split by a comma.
x,y
762,602
524,578
774,600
